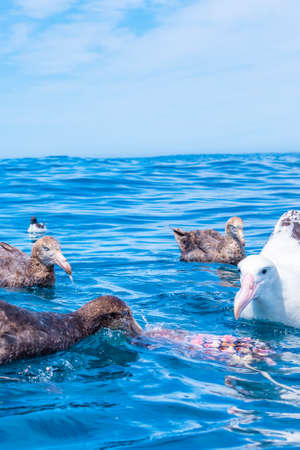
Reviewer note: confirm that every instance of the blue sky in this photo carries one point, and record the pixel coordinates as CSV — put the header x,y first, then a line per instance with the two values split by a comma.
x,y
146,77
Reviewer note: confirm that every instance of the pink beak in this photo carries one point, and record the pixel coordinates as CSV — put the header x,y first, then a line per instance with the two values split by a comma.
x,y
61,261
245,294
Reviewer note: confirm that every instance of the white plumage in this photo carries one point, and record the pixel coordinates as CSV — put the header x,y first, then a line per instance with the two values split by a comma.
x,y
270,282
36,227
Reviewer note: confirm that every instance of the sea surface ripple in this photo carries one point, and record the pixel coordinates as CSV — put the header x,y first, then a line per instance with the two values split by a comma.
x,y
112,218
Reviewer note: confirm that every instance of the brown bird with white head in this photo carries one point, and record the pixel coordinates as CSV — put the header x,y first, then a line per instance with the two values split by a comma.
x,y
210,246
20,270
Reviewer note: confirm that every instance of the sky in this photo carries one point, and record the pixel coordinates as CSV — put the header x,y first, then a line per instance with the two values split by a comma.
x,y
148,77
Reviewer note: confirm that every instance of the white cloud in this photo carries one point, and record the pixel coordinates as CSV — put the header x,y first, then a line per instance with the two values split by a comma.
x,y
64,48
39,9
17,40
61,49
211,36
209,75
206,34
90,34
112,5
108,11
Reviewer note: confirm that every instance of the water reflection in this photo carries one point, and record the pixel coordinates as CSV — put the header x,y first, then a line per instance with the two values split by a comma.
x,y
229,276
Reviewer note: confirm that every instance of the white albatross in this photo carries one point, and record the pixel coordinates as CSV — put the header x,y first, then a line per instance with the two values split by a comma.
x,y
270,281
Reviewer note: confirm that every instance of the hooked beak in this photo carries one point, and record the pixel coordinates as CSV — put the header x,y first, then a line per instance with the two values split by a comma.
x,y
245,294
134,328
242,239
61,261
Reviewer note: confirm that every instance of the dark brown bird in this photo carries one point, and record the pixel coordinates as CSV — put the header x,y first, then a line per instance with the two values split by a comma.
x,y
24,334
211,246
20,270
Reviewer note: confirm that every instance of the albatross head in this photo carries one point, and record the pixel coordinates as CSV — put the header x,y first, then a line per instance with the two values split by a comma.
x,y
235,228
259,277
47,251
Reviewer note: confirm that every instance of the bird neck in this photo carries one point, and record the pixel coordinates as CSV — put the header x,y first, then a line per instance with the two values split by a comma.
x,y
91,323
233,240
42,274
269,303
229,236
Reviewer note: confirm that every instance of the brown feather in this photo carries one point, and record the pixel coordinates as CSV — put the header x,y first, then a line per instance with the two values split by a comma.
x,y
24,334
20,270
212,246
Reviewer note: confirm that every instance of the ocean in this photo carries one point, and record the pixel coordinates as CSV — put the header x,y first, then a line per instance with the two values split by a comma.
x,y
112,218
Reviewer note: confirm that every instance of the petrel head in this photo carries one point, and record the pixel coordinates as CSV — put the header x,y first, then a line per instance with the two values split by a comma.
x,y
47,251
235,228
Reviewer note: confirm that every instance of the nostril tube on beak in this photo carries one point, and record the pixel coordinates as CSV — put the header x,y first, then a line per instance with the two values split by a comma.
x,y
61,261
135,329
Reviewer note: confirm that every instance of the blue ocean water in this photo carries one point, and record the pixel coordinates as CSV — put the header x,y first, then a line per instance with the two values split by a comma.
x,y
112,218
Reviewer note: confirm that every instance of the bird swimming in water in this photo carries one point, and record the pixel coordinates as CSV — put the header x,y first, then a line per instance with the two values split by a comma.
x,y
270,281
36,227
25,334
20,270
211,246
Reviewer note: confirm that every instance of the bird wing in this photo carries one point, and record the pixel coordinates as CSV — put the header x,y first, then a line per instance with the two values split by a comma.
x,y
210,241
283,246
13,263
22,333
289,223
205,241
9,250
283,249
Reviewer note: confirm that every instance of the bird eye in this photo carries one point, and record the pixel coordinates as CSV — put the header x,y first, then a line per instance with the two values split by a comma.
x,y
264,271
47,249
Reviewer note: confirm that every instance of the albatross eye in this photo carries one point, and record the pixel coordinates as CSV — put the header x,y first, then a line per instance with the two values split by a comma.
x,y
264,271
